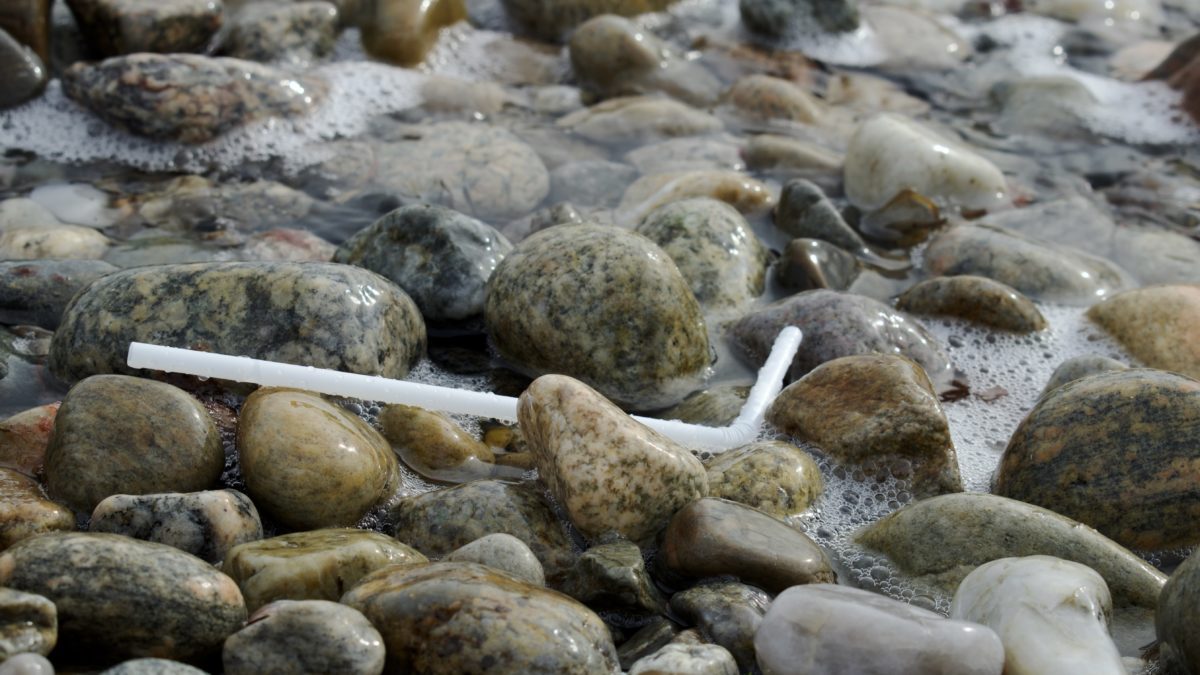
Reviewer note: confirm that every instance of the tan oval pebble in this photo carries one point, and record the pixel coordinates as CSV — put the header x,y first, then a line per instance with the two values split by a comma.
x,y
1158,324
977,299
25,511
304,636
772,98
772,476
432,443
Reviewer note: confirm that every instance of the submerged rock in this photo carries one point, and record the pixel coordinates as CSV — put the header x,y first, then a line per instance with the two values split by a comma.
x,y
117,27
1157,324
614,576
24,437
639,120
205,524
26,512
762,97
293,32
809,264
714,407
305,636
37,292
977,299
551,19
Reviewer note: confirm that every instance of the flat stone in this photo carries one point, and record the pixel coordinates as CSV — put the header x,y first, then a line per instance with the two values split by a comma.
x,y
191,203
1112,451
613,310
1051,614
728,613
551,19
809,264
941,539
1157,324
26,512
1080,367
505,553
433,444
976,299
59,242
838,629
772,476
304,636
24,437
403,31
546,632
1178,608
715,537
37,292
677,659
268,311
440,257
187,97
116,27
28,624
609,472
638,120
292,32
119,597
315,565
614,576
116,434
23,74
206,524
309,463
805,212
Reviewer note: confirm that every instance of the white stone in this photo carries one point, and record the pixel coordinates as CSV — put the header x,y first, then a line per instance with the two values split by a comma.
x,y
77,204
838,630
1051,614
27,664
889,153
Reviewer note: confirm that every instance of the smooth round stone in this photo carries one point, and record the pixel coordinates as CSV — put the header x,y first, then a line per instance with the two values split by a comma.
x,y
772,476
27,664
608,471
187,97
294,32
1178,611
433,444
37,292
116,434
120,597
715,407
127,26
28,624
309,463
480,170
441,521
762,97
677,659
777,18
715,537
805,212
440,257
714,248
874,411
808,264
786,155
747,195
728,613
403,31
23,74
52,241
505,553
205,524
935,166
1038,269
941,539
24,437
310,314
1080,367
1051,614
419,610
26,512
1113,451
837,324
1046,106
1157,324
604,305
976,299
838,629
614,576
639,120
550,19
305,636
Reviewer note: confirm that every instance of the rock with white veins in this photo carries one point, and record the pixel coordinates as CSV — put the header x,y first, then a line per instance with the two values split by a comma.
x,y
608,471
1051,615
889,153
206,524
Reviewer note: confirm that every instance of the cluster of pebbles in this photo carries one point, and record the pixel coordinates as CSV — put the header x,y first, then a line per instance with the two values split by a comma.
x,y
602,207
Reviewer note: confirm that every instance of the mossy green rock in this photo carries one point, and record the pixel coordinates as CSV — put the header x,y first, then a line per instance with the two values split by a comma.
x,y
1158,324
444,618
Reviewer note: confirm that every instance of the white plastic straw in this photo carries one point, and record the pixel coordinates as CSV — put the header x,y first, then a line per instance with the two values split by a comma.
x,y
460,401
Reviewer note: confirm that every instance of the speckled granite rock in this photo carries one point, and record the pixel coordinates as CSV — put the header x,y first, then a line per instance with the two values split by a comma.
x,y
875,411
714,537
293,32
805,212
551,19
976,299
120,434
128,26
545,632
714,248
205,524
746,194
302,313
1051,615
309,463
481,170
612,309
1080,367
808,264
638,120
1112,451
772,476
728,613
29,22
28,664
187,97
37,292
762,97
714,407
1157,324
778,18
315,565
441,521
120,597
433,444
26,512
440,257
1178,611
505,553
306,636
676,659
820,628
609,472
1040,270
153,667
23,75
940,540
28,623
614,576
837,324
402,31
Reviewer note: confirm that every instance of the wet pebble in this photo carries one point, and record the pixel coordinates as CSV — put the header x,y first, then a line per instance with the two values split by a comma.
x,y
714,407
805,212
1157,324
26,512
639,120
747,195
304,636
675,659
128,26
28,664
1080,367
590,182
656,634
778,18
808,264
786,155
976,299
292,32
772,476
687,154
403,31
116,434
551,19
29,22
28,624
762,97
23,74
433,444
194,203
37,292
24,437
206,524
505,553
613,576
728,613
52,240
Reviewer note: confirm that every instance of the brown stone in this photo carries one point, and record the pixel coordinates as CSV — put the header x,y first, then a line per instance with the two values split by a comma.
x,y
1158,324
29,22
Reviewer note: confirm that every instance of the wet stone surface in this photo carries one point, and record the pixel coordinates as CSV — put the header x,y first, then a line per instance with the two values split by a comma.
x,y
727,613
772,476
116,27
976,299
205,524
305,636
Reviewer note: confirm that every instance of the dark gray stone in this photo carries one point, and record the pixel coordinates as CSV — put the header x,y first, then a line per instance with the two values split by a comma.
x,y
614,576
728,614
36,292
809,264
206,524
305,636
806,213
1178,612
779,18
